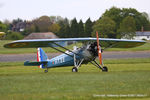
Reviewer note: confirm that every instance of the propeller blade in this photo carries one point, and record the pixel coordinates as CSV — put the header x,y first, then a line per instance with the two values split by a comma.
x,y
99,49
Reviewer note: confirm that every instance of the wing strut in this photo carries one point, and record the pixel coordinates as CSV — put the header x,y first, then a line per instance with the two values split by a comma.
x,y
66,49
61,51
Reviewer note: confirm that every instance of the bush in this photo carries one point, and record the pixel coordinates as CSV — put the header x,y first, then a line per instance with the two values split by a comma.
x,y
14,36
144,39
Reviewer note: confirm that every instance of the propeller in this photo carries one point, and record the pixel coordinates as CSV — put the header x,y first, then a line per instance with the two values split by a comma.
x,y
99,49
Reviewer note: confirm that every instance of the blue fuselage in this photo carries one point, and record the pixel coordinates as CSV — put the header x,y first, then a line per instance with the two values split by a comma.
x,y
66,60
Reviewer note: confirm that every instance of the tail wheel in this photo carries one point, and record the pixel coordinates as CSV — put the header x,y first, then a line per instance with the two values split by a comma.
x,y
105,69
74,69
46,71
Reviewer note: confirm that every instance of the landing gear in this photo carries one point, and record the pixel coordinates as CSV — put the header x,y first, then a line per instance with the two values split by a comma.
x,y
77,64
105,69
74,69
46,70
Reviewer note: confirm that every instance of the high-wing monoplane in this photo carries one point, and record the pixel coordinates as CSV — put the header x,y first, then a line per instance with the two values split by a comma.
x,y
2,35
88,52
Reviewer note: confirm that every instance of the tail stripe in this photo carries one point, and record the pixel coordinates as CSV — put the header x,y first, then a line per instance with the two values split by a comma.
x,y
39,56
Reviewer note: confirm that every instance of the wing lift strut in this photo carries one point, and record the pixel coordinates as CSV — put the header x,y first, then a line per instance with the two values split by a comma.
x,y
77,62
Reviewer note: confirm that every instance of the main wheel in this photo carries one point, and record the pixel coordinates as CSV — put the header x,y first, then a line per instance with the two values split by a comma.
x,y
105,69
46,71
74,69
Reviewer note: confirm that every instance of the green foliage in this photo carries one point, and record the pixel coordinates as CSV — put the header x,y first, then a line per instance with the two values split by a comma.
x,y
81,29
118,15
88,28
74,28
127,28
66,28
55,19
54,28
115,14
63,22
42,24
14,36
105,26
32,28
3,27
64,31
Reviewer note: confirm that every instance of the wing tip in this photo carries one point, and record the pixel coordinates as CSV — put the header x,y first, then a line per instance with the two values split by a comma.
x,y
6,45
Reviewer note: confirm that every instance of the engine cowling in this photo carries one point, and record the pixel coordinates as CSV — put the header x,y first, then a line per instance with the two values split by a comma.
x,y
89,51
93,49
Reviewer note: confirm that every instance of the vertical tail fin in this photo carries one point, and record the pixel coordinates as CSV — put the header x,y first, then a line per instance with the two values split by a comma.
x,y
41,56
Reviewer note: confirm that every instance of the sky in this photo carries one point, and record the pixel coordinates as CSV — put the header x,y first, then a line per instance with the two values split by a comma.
x,y
81,9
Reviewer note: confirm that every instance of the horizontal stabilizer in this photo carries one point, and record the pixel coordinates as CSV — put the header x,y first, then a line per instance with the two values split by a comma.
x,y
28,63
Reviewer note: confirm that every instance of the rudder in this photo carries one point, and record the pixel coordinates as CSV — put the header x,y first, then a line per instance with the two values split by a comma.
x,y
41,56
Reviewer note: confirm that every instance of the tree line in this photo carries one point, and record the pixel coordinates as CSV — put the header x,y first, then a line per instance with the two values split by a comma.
x,y
114,23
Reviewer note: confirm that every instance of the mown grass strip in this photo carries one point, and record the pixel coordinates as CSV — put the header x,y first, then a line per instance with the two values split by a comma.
x,y
18,82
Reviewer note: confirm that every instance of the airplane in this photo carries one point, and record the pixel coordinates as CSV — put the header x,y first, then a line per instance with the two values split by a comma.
x,y
2,35
88,52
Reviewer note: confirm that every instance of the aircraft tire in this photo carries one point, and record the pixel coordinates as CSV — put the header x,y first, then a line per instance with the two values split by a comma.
x,y
45,71
105,69
74,69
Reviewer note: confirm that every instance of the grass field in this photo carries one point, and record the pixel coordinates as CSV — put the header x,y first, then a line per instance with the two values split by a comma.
x,y
127,79
50,50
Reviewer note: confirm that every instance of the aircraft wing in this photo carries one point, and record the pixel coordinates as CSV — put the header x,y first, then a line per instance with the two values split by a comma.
x,y
104,42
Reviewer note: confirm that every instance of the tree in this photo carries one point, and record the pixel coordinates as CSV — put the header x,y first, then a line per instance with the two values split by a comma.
x,y
15,21
8,24
54,28
105,26
61,32
67,32
141,19
74,28
14,36
42,23
64,32
81,29
63,22
56,19
88,28
64,28
3,27
117,15
127,28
